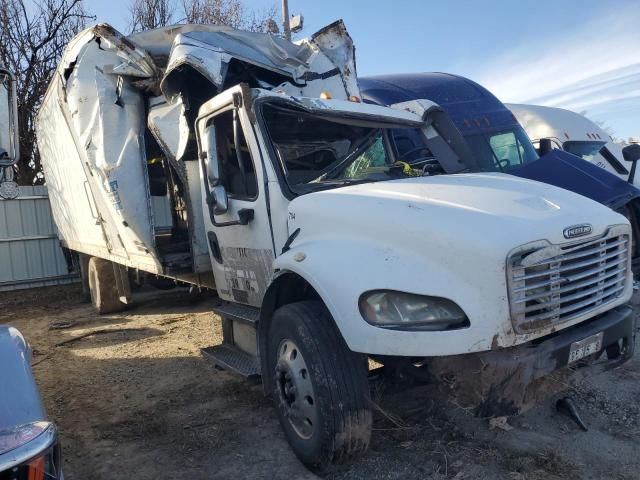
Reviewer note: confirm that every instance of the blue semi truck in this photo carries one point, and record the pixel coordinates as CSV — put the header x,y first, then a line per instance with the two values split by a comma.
x,y
497,141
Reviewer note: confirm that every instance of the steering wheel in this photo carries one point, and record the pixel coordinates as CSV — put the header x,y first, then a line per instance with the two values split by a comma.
x,y
413,150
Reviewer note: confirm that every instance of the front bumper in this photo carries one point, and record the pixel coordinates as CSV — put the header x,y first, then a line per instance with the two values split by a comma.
x,y
501,379
552,352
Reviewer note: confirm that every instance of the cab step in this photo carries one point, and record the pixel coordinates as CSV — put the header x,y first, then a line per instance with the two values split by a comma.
x,y
230,357
239,313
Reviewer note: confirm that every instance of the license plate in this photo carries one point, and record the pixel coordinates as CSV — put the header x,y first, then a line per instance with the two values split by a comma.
x,y
586,347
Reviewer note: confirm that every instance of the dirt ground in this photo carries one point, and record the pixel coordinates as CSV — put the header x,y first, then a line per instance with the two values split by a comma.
x,y
133,398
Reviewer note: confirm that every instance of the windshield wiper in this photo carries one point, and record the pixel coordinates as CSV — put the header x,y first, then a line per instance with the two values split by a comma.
x,y
346,181
327,184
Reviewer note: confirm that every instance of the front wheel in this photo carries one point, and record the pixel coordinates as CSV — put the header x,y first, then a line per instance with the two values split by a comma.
x,y
320,387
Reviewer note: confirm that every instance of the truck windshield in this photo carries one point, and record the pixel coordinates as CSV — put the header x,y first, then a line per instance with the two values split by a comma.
x,y
502,150
317,152
586,150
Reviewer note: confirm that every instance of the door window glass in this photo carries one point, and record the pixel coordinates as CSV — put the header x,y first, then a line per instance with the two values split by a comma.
x,y
236,165
507,149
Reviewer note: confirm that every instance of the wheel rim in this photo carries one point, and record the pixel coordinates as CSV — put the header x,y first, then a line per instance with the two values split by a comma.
x,y
295,389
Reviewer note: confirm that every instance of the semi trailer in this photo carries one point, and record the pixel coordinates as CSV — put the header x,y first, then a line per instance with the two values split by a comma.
x,y
557,128
246,164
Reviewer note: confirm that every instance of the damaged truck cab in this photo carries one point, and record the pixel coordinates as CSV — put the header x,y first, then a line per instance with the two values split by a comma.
x,y
284,193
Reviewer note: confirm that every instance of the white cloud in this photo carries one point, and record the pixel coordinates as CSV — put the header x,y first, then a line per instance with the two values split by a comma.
x,y
588,68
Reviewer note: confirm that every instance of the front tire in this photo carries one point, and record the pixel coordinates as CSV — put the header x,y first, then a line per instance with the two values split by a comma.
x,y
320,387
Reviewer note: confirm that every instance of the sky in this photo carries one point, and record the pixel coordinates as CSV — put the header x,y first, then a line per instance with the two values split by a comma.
x,y
583,55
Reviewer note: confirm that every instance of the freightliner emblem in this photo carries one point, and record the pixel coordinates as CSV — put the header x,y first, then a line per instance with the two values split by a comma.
x,y
577,230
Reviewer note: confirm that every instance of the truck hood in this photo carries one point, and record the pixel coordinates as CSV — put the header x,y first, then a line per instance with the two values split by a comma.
x,y
568,171
447,236
491,209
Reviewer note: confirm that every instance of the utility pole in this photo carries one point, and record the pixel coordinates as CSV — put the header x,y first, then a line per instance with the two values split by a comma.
x,y
285,19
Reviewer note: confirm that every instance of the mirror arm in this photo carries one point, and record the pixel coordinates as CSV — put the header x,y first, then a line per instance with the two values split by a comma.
x,y
631,153
632,173
245,215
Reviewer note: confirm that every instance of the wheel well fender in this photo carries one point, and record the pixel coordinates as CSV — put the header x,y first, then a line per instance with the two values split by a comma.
x,y
286,287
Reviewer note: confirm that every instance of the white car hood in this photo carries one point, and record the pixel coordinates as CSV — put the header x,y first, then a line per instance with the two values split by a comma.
x,y
506,210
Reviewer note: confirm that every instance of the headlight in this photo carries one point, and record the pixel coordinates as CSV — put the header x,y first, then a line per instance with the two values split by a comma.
x,y
30,451
407,311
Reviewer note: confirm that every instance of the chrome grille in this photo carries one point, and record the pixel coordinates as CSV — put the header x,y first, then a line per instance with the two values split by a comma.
x,y
554,284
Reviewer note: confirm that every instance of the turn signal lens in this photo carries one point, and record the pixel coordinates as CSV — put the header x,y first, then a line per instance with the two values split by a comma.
x,y
355,99
36,469
325,96
30,452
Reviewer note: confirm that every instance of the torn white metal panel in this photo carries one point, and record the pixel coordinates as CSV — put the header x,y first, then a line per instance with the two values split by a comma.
x,y
321,77
323,63
74,209
334,41
199,247
343,109
209,53
132,61
108,117
168,124
90,136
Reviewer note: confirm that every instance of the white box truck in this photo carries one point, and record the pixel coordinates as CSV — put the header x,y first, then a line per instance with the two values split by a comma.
x,y
247,164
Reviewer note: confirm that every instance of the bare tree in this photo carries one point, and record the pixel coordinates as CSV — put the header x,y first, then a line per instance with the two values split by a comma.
x,y
232,13
149,14
32,38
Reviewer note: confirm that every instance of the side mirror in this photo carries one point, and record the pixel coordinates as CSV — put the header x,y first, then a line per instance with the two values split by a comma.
x,y
217,198
9,149
631,153
545,146
219,201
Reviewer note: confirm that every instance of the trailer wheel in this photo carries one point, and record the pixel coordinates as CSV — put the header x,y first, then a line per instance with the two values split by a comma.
x,y
102,285
321,392
83,262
